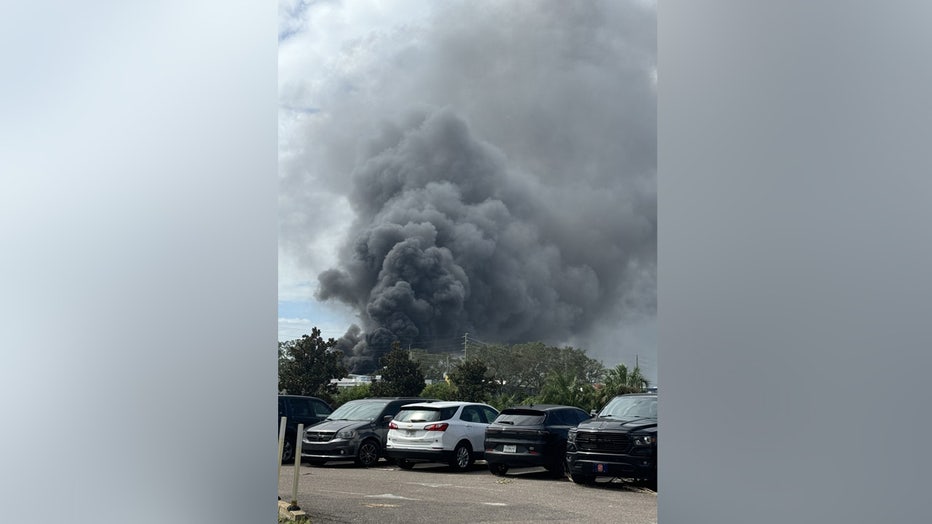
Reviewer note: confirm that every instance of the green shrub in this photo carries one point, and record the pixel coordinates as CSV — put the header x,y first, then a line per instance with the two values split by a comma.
x,y
350,393
440,390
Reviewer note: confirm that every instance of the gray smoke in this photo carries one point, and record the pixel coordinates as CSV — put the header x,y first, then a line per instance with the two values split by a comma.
x,y
500,164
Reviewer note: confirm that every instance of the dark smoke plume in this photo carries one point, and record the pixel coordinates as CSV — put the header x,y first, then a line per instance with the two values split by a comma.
x,y
448,241
499,159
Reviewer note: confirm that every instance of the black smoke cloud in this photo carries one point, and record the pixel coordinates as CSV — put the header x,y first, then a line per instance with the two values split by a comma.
x,y
499,161
448,240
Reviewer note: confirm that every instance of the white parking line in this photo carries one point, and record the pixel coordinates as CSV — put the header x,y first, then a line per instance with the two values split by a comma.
x,y
341,492
389,496
429,485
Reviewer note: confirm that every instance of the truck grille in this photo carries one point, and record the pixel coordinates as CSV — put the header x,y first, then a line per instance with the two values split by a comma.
x,y
318,436
603,443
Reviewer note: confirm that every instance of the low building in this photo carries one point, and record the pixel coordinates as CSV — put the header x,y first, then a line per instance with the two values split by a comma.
x,y
354,380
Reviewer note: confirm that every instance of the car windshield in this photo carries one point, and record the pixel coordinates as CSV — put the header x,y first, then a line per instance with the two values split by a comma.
x,y
419,414
357,411
521,417
631,407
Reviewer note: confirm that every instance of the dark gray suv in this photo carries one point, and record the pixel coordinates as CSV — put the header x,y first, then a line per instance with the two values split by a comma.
x,y
355,431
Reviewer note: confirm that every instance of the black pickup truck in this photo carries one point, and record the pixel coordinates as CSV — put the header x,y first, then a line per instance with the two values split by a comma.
x,y
620,441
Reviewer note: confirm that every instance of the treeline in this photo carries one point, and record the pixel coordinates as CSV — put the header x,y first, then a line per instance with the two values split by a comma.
x,y
500,375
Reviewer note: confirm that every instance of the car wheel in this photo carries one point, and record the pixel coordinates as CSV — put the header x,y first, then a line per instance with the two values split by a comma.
x,y
556,469
652,482
287,451
582,479
557,466
405,464
368,454
462,457
498,470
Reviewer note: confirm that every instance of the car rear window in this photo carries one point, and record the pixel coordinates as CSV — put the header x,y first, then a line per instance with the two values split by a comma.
x,y
521,417
425,414
567,417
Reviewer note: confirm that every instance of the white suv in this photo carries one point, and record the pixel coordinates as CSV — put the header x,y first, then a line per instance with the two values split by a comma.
x,y
451,432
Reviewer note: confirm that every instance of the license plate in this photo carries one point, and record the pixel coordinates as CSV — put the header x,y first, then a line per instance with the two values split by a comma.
x,y
509,448
600,468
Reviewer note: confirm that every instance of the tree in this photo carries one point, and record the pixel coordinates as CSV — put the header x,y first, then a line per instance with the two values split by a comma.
x,y
434,365
522,369
401,376
350,393
619,381
440,390
306,365
472,381
566,389
501,400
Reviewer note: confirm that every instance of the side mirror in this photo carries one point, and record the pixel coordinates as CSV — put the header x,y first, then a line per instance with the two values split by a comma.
x,y
593,413
386,419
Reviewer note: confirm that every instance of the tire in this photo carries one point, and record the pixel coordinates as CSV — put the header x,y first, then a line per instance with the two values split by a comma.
x,y
586,480
405,464
497,469
368,454
288,451
557,467
652,483
462,457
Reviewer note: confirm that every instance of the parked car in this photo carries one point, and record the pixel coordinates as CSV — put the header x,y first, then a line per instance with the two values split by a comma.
x,y
299,410
620,441
450,432
354,431
527,436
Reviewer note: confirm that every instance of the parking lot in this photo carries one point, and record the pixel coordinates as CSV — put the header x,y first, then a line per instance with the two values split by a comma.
x,y
342,492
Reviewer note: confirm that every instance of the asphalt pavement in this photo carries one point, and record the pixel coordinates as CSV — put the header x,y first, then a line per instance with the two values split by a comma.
x,y
342,492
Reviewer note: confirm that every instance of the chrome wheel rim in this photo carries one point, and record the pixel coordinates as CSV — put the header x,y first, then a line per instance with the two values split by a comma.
x,y
462,457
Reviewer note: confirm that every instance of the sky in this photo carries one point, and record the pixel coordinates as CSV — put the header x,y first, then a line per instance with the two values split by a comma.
x,y
469,166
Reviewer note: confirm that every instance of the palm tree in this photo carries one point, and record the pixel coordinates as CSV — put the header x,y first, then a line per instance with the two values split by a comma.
x,y
565,388
619,381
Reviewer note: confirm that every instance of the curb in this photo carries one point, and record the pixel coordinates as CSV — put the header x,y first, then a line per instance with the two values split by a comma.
x,y
296,515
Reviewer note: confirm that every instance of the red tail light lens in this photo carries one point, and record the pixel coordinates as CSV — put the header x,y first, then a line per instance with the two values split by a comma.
x,y
392,425
436,427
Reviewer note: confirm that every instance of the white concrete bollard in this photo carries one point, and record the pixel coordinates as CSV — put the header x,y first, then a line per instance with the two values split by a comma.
x,y
297,468
281,443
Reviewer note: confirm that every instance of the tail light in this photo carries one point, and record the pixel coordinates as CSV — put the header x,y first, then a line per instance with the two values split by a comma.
x,y
392,425
436,427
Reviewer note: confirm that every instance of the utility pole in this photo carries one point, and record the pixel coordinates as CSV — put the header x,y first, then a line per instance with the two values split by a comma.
x,y
465,339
